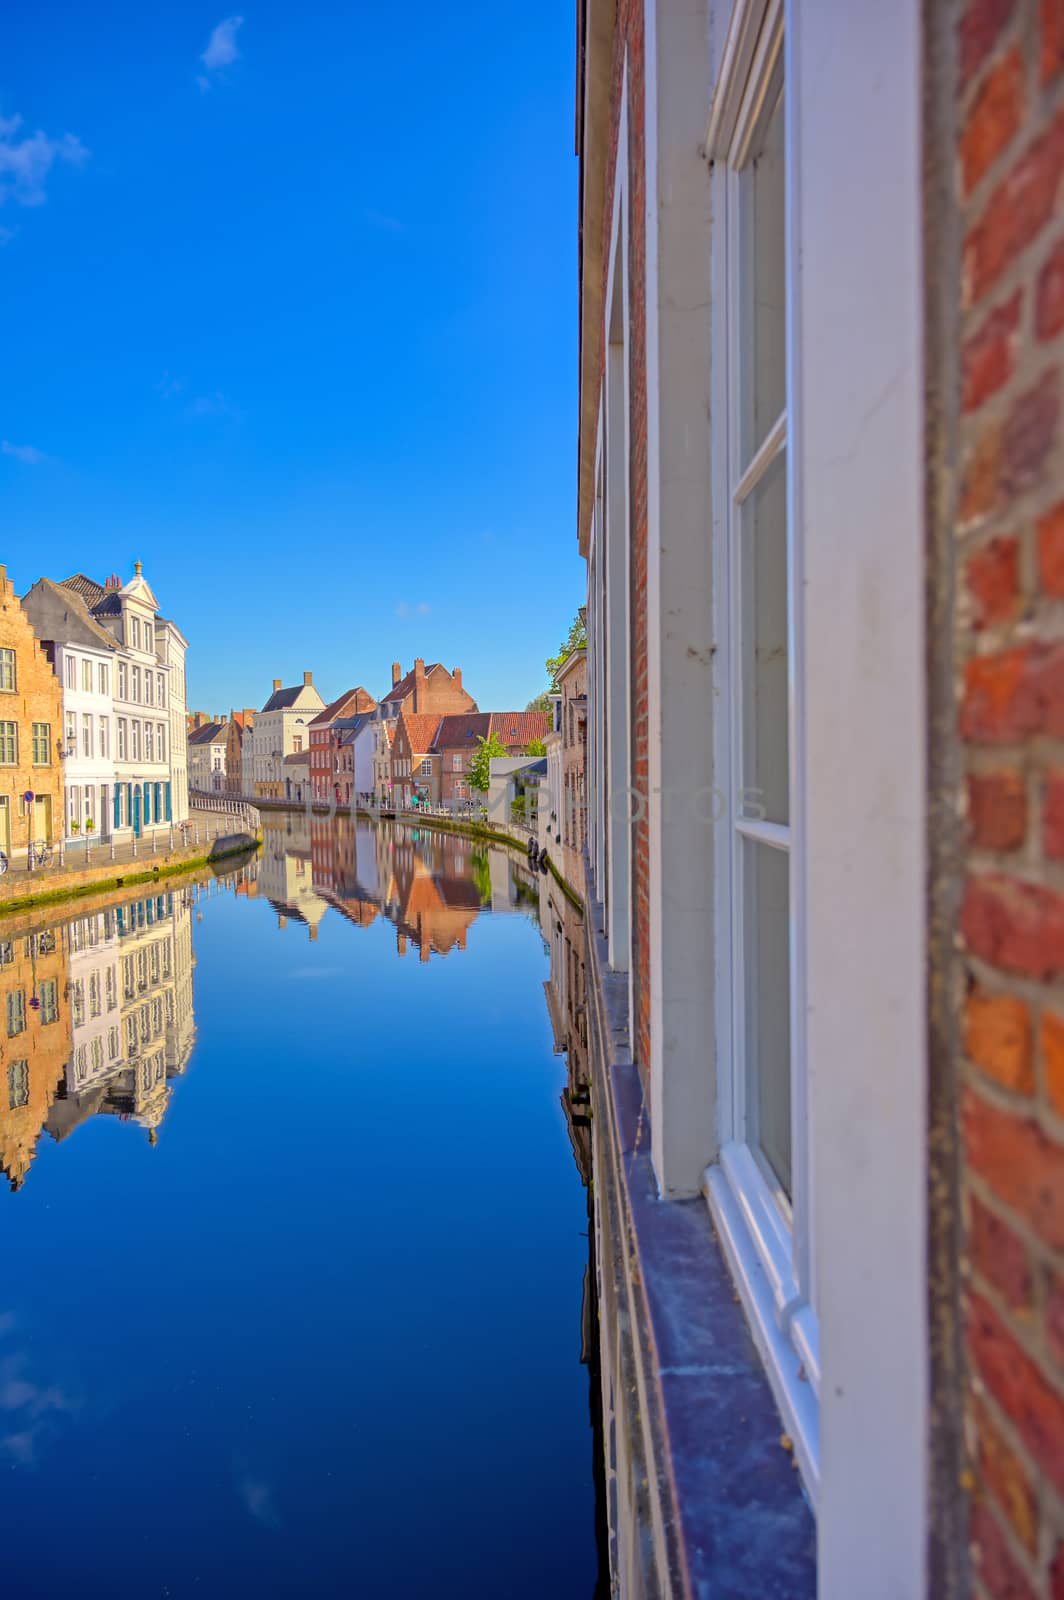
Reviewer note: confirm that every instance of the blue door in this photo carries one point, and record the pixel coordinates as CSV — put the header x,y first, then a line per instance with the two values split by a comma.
x,y
136,812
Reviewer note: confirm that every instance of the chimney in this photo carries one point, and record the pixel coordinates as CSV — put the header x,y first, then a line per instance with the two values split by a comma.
x,y
276,683
419,683
457,676
397,672
400,943
308,680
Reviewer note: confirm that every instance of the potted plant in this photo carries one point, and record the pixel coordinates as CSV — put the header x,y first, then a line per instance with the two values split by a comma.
x,y
75,826
89,824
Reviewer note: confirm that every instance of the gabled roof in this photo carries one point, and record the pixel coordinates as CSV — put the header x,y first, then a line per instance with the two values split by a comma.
x,y
209,733
460,731
285,699
579,654
346,704
59,613
89,590
297,758
420,729
519,727
405,687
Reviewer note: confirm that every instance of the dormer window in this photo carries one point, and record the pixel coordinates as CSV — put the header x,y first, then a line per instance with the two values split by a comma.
x,y
135,632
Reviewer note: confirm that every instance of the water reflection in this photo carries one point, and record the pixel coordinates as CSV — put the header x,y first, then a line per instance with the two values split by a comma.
x,y
432,1271
97,1021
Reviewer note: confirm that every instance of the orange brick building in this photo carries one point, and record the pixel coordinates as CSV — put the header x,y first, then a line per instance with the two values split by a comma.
x,y
31,727
35,1042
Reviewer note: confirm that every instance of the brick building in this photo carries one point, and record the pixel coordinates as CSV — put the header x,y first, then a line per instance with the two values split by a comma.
x,y
330,769
239,738
457,740
31,732
426,689
820,479
414,770
35,1027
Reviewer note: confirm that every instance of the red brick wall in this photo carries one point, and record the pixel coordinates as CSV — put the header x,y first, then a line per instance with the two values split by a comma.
x,y
628,40
1010,638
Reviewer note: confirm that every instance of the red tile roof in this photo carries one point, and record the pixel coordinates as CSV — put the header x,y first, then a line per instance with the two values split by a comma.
x,y
519,727
346,704
460,731
420,729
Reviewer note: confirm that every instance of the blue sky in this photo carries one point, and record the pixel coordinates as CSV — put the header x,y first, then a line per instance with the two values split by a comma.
x,y
290,316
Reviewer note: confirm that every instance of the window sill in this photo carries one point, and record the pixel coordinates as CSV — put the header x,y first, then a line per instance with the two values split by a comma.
x,y
784,1328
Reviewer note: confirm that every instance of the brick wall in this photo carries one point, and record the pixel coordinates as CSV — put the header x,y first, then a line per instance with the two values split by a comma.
x,y
38,698
628,40
1009,633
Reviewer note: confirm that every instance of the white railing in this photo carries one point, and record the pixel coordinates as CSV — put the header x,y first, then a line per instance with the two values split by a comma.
x,y
246,815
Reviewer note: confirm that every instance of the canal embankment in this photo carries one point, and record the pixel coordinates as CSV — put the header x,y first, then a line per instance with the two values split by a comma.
x,y
125,867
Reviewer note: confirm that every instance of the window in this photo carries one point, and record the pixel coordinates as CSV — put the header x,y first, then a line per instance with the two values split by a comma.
x,y
136,684
77,1002
135,630
297,743
456,763
122,727
8,671
123,681
95,996
762,1094
159,695
135,727
16,1012
103,678
71,725
426,768
42,744
104,737
161,741
97,1053
86,676
18,1085
86,733
49,1000
149,742
71,672
8,744
112,1044
148,681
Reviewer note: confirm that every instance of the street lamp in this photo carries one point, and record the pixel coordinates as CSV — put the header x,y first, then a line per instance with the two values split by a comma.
x,y
28,797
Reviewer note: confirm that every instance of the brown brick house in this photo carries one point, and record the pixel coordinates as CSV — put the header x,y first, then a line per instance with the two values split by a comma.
x,y
426,689
457,740
415,769
31,723
35,1041
240,724
329,779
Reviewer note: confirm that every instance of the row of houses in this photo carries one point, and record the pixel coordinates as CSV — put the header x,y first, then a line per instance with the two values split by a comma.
x,y
92,712
415,745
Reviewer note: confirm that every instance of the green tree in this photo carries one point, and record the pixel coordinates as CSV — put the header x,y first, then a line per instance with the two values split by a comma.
x,y
535,747
540,703
576,640
480,766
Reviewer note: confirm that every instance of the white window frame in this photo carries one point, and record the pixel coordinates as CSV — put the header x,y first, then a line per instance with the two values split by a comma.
x,y
769,1243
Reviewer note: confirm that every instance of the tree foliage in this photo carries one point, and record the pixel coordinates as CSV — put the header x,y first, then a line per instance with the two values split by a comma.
x,y
535,747
577,637
480,766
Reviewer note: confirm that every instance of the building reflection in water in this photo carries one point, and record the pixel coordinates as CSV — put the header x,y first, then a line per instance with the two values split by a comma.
x,y
97,1017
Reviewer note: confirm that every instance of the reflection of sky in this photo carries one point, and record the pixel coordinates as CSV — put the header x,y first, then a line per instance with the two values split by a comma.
x,y
325,1335
30,1410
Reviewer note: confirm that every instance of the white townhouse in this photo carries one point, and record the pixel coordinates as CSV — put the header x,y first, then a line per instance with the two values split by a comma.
x,y
84,655
281,728
207,758
150,751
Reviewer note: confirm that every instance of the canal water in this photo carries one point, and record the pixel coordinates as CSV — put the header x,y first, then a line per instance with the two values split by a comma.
x,y
294,1243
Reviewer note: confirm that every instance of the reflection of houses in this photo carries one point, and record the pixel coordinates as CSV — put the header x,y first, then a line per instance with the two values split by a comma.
x,y
286,870
335,865
426,888
563,929
34,1042
130,984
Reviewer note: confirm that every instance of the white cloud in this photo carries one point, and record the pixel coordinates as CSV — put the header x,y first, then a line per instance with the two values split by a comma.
x,y
6,236
214,405
406,609
26,453
402,609
424,607
169,387
26,161
380,219
221,50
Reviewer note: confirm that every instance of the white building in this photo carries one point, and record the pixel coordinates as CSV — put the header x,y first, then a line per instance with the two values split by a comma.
x,y
207,758
84,655
281,728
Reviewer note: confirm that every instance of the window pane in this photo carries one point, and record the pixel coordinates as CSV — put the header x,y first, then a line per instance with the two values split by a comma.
x,y
764,308
766,935
763,634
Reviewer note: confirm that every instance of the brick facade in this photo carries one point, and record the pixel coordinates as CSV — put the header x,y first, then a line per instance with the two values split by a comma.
x,y
1009,533
35,701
